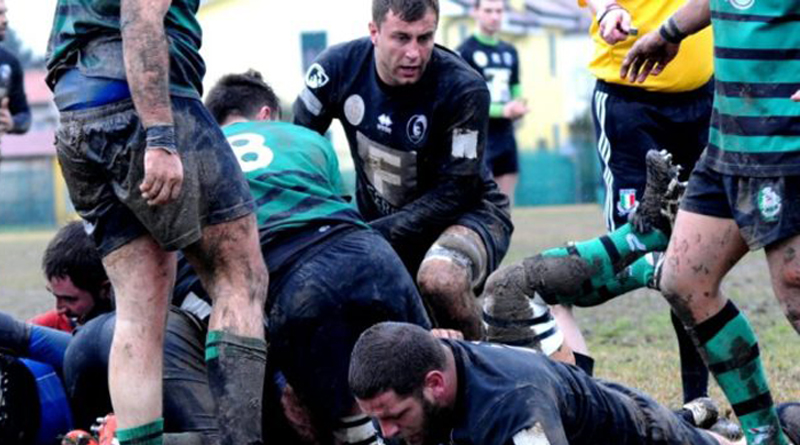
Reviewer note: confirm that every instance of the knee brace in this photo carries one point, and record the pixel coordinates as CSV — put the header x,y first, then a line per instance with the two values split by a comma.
x,y
515,315
463,251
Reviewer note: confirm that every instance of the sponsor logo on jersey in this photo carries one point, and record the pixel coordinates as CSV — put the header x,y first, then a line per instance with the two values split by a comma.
x,y
416,128
742,4
480,58
316,77
496,58
627,201
354,109
465,143
634,243
385,123
769,203
508,58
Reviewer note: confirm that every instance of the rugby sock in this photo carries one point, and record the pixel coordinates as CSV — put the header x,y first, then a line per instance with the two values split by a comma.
x,y
236,368
694,374
636,276
732,353
356,429
148,434
611,253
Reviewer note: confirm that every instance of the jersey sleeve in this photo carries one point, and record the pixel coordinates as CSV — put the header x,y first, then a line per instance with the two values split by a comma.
x,y
458,174
515,80
314,107
526,416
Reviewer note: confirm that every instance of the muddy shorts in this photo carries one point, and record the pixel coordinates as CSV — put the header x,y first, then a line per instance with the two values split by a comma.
x,y
101,152
766,209
323,302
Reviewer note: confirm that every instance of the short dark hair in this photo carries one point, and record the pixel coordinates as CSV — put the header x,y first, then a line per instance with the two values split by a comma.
x,y
407,10
241,95
72,254
478,3
393,356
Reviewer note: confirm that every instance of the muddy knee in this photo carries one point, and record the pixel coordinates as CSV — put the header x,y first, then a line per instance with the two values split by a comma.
x,y
557,278
513,314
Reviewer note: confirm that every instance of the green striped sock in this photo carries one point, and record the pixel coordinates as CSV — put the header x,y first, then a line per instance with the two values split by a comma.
x,y
148,434
733,357
610,254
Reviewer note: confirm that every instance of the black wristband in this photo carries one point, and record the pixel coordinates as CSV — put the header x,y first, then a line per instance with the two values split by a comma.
x,y
608,9
163,137
669,31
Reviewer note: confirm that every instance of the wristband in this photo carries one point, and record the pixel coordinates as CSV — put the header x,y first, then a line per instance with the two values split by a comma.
x,y
670,32
608,9
163,137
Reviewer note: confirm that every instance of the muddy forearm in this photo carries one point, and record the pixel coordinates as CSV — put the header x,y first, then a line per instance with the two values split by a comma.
x,y
693,16
146,54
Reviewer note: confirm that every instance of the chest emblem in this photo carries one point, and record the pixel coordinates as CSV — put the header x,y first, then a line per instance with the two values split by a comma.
x,y
385,123
416,128
508,58
480,58
742,4
354,109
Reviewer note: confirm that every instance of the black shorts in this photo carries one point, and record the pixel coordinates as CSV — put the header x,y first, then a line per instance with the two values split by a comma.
x,y
323,302
629,122
501,151
101,152
766,209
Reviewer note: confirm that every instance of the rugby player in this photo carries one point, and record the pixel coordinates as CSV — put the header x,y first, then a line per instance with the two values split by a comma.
x,y
742,193
150,172
415,115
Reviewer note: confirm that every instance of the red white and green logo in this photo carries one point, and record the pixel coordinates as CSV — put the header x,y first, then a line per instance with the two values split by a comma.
x,y
627,201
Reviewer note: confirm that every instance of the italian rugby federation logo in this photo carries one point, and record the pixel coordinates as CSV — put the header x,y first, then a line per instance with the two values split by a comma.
x,y
769,204
627,201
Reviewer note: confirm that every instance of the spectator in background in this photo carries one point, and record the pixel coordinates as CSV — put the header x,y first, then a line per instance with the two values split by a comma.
x,y
15,116
498,63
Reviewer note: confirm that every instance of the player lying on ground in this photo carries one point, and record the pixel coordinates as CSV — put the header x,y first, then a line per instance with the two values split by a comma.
x,y
430,391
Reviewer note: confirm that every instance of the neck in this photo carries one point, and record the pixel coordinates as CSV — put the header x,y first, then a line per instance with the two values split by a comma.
x,y
233,120
485,38
449,396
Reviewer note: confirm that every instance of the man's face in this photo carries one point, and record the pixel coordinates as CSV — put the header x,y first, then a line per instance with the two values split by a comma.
x,y
414,418
403,49
3,19
489,16
71,300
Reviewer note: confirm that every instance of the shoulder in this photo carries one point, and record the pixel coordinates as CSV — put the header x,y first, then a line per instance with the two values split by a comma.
x,y
467,46
454,72
7,56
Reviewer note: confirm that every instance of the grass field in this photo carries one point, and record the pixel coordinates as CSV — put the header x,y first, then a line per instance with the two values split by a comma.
x,y
630,337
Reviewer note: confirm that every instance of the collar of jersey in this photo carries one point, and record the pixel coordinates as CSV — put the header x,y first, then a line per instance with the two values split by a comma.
x,y
486,40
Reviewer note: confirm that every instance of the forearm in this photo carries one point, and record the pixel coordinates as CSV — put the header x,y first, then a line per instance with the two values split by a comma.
x,y
436,210
693,16
146,54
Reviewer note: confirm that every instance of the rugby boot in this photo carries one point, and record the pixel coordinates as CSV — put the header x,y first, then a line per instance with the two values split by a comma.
x,y
78,437
662,194
728,429
704,412
105,429
789,416
657,260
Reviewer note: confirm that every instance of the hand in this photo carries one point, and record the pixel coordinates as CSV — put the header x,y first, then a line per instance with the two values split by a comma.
x,y
615,26
163,176
452,334
649,55
515,109
6,121
796,96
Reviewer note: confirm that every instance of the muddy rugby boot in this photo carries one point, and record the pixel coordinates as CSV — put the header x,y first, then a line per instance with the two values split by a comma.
x,y
789,416
728,429
662,194
703,412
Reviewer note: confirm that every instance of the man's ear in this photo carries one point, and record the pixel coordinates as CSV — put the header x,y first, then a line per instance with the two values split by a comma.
x,y
374,28
105,290
435,385
264,114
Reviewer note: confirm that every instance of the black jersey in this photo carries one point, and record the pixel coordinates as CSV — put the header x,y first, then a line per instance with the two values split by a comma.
x,y
504,391
12,86
417,148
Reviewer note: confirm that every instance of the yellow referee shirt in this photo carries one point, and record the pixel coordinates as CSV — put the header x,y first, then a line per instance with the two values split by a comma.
x,y
691,69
